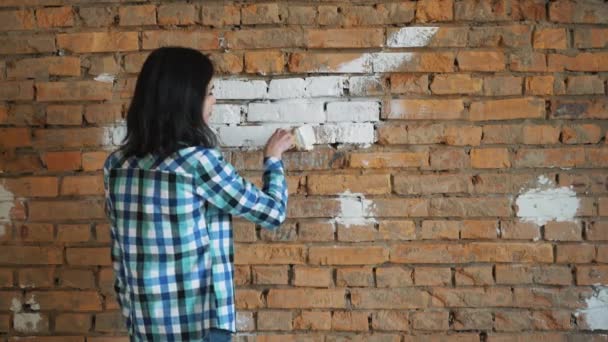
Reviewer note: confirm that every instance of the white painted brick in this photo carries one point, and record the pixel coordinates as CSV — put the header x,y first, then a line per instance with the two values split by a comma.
x,y
390,61
353,111
240,89
226,114
364,85
412,36
346,133
250,136
305,111
287,88
361,64
325,86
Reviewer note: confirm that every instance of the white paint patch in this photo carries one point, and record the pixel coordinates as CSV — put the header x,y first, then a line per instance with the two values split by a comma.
x,y
547,203
226,114
345,133
240,89
105,78
287,88
244,321
7,202
412,37
325,86
33,304
596,312
27,322
15,305
353,111
355,210
113,136
391,61
305,137
293,111
362,64
361,85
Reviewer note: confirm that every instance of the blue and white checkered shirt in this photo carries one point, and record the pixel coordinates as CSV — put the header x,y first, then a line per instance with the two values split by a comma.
x,y
172,245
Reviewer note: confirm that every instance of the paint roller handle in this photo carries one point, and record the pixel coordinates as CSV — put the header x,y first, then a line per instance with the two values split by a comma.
x,y
280,141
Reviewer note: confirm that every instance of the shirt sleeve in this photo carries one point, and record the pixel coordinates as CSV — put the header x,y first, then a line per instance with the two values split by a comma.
x,y
220,184
116,252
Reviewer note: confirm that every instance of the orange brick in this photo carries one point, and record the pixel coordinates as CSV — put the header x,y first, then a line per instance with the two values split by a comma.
x,y
62,161
306,298
507,109
348,255
526,61
89,256
448,159
73,91
590,37
227,63
456,84
430,320
73,323
98,41
137,15
107,113
349,321
425,110
312,276
17,20
27,44
55,17
563,231
268,13
477,229
70,138
345,38
73,233
581,134
394,276
264,62
274,320
393,298
200,40
432,276
564,11
177,14
481,61
550,38
549,157
582,85
220,15
474,275
15,137
266,38
502,85
68,300
66,210
32,186
82,185
315,231
267,275
64,115
539,85
434,10
439,230
17,90
591,275
78,279
367,184
313,320
409,83
269,254
36,277
41,68
490,158
31,255
585,61
33,232
355,277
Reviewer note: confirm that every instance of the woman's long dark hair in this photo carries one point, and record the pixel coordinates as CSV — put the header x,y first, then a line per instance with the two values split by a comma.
x,y
166,111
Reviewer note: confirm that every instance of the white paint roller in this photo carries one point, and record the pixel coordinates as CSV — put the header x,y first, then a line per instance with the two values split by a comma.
x,y
305,137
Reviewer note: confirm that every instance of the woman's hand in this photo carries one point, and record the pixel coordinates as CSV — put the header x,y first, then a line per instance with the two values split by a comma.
x,y
280,141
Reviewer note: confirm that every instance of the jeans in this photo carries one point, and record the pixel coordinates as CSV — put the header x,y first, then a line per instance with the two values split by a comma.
x,y
218,335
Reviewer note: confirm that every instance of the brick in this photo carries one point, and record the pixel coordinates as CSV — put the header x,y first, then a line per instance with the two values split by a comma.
x,y
137,15
177,14
409,84
512,321
17,90
387,230
98,41
301,15
267,38
474,275
490,158
484,10
550,38
312,320
36,277
103,65
539,85
474,297
456,84
432,276
274,320
316,231
110,322
17,20
517,36
430,11
267,275
390,320
590,37
73,323
32,255
590,275
27,45
481,61
82,185
79,279
394,276
448,159
227,63
597,230
347,255
269,254
44,67
66,209
220,15
68,300
430,320
581,85
97,16
473,319
355,277
551,320
89,256
528,61
34,232
413,62
479,229
426,110
69,138
502,85
367,184
581,134
312,276
193,39
64,115
268,13
106,113
73,91
264,62
389,159
586,61
564,11
55,17
420,36
32,186
507,109
62,161
393,298
344,38
439,230
306,298
551,157
349,321
73,233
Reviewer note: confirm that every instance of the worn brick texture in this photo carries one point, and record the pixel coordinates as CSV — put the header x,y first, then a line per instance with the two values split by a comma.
x,y
458,190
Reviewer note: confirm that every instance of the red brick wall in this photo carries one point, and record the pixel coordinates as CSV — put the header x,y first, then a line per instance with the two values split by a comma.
x,y
413,216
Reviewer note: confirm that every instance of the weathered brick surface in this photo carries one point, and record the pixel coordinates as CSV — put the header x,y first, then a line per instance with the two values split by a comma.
x,y
440,124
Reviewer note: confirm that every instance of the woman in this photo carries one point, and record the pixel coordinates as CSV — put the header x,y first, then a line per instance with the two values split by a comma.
x,y
170,196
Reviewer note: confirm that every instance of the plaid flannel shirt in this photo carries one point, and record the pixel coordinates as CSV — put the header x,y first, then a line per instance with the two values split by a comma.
x,y
172,246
